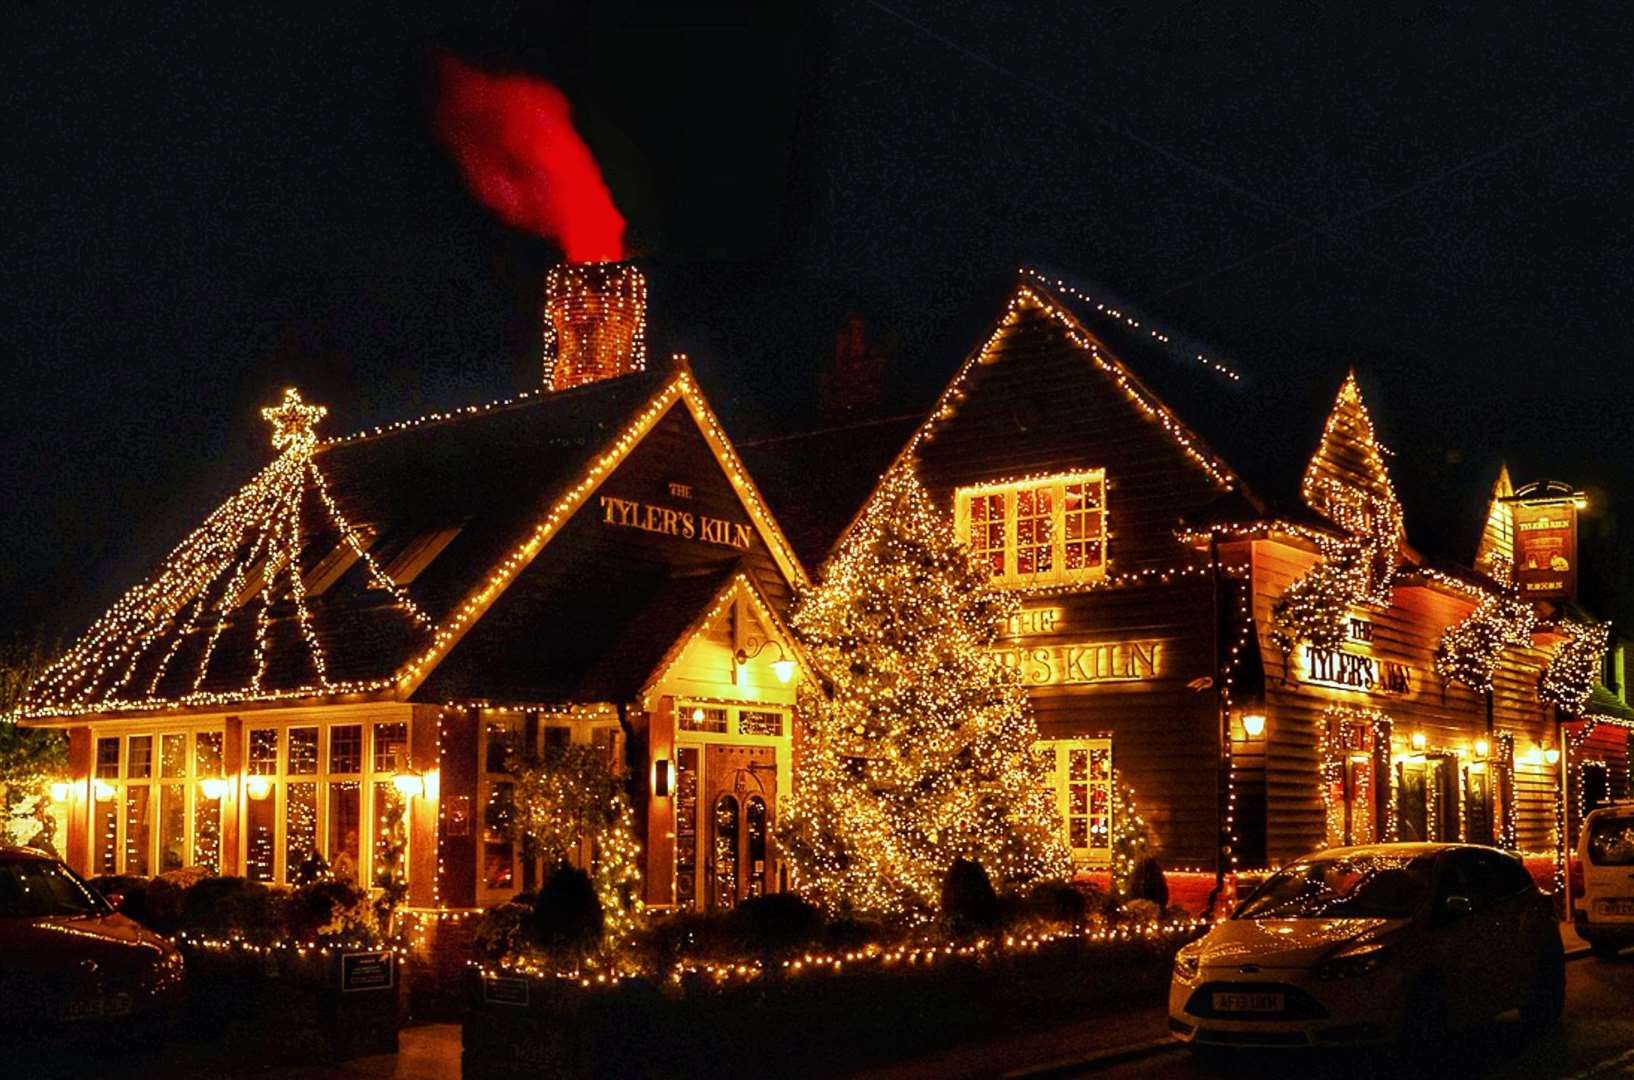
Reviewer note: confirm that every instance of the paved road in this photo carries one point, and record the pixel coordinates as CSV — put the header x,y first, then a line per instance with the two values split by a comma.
x,y
1595,1040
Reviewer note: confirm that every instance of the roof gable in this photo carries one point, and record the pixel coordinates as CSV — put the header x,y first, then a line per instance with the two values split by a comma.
x,y
1495,553
1346,479
500,480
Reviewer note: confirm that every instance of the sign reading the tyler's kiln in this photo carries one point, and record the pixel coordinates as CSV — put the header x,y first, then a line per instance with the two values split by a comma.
x,y
630,514
1083,662
1348,671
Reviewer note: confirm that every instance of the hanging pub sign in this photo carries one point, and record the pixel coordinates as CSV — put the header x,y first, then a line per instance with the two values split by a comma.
x,y
1545,548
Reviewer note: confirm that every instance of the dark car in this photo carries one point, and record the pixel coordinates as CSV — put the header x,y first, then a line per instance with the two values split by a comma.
x,y
69,961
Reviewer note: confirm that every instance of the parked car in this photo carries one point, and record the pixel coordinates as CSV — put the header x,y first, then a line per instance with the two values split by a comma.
x,y
1604,909
1369,944
68,960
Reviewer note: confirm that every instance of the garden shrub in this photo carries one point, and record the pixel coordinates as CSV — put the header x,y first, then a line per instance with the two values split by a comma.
x,y
778,923
567,915
1141,911
329,911
1056,902
228,907
1148,882
132,892
504,929
968,900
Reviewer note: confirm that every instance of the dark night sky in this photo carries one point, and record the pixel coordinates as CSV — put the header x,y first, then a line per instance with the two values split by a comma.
x,y
204,204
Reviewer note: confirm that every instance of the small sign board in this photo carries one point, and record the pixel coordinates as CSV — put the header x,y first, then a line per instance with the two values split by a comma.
x,y
1545,549
504,990
366,971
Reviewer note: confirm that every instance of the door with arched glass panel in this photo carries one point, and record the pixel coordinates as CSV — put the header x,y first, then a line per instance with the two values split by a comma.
x,y
741,784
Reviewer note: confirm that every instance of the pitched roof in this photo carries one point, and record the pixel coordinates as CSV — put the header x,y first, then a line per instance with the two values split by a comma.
x,y
815,481
462,501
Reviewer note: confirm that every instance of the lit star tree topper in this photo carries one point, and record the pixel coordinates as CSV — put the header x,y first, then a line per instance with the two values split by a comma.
x,y
924,753
294,422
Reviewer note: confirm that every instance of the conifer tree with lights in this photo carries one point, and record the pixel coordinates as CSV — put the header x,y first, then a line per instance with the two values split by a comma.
x,y
923,754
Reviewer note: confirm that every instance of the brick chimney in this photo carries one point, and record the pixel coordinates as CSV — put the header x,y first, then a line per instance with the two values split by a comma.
x,y
595,323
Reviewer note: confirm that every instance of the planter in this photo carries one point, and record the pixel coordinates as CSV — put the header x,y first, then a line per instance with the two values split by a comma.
x,y
815,1023
277,1005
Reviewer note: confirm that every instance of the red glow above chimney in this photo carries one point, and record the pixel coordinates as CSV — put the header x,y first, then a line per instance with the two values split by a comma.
x,y
513,138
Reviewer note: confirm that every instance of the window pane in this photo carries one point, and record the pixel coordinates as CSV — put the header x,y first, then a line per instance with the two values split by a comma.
x,y
703,718
390,747
261,825
300,827
105,832
263,752
172,827
173,756
138,827
1077,764
207,833
556,736
139,765
303,751
498,854
345,827
752,722
107,759
390,832
207,753
503,735
686,827
606,740
346,748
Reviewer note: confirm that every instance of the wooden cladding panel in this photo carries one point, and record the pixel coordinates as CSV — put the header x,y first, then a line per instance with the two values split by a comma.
x,y
1041,405
1450,715
1164,734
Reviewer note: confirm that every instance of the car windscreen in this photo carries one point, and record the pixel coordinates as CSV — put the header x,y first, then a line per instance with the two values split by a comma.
x,y
35,888
1611,840
1344,887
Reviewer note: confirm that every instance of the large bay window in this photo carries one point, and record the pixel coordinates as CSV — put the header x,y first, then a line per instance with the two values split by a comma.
x,y
1041,531
151,811
1079,774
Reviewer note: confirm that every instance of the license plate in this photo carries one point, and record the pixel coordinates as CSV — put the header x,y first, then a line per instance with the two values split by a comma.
x,y
1261,1003
92,1008
1614,907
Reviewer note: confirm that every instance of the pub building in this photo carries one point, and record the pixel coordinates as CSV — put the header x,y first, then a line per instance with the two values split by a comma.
x,y
1150,568
339,660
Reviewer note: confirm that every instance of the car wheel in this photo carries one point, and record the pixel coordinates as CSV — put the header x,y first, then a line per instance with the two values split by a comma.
x,y
1547,995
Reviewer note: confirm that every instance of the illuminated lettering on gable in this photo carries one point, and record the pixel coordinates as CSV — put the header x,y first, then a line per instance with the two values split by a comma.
x,y
1350,671
1084,662
666,521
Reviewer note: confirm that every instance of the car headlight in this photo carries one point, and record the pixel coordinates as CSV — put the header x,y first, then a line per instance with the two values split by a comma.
x,y
1186,965
1353,960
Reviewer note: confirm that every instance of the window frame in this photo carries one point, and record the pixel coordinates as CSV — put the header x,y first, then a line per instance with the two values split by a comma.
x,y
1060,781
1056,483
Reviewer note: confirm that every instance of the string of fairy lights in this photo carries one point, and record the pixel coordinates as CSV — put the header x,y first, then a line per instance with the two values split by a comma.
x,y
253,543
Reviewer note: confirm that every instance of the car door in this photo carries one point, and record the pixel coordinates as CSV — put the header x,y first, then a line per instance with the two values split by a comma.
x,y
1508,918
1466,957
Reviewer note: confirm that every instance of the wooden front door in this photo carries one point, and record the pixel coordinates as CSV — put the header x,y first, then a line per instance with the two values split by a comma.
x,y
740,786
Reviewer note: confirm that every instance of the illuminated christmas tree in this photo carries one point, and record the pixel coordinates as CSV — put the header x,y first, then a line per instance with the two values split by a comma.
x,y
924,752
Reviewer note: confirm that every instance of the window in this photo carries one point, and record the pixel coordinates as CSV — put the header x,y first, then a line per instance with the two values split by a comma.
x,y
704,718
1049,531
727,719
1079,772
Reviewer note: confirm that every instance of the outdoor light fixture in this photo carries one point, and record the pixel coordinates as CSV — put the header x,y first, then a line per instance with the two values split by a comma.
x,y
1482,748
782,667
660,777
213,788
257,787
1253,724
102,791
1551,755
1418,740
409,784
60,790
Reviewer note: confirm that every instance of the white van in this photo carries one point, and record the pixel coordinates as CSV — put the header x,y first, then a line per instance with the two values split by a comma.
x,y
1604,914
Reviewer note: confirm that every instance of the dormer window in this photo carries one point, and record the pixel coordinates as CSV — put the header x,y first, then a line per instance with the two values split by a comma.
x,y
1042,531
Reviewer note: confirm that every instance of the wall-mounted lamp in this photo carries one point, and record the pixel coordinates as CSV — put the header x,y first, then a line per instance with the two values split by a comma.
x,y
60,790
1482,748
660,777
257,787
102,791
1253,724
1418,740
782,667
1551,755
213,788
409,784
